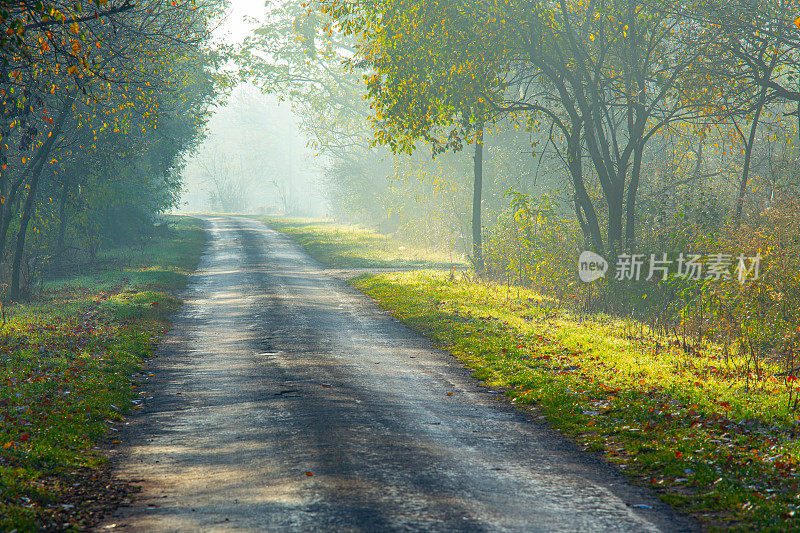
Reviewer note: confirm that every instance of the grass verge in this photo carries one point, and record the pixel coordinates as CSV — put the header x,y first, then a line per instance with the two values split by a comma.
x,y
66,361
716,446
341,246
705,441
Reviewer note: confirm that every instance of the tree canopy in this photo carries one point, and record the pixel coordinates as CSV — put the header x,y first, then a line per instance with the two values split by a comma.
x,y
98,100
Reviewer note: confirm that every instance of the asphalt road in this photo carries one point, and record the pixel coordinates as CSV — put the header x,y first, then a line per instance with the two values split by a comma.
x,y
275,369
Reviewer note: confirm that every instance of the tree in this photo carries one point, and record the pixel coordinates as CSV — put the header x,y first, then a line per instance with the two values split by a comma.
x,y
621,70
98,66
432,77
755,55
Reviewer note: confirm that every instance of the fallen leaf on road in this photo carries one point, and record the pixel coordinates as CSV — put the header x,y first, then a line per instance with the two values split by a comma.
x,y
309,474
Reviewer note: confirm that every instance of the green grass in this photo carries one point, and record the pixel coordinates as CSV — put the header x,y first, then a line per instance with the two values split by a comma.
x,y
715,441
684,425
66,363
342,246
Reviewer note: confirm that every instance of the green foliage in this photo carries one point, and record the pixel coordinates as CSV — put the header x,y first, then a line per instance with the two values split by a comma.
x,y
95,116
532,245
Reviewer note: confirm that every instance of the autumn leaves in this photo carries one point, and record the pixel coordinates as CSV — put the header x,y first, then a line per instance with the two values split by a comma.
x,y
84,87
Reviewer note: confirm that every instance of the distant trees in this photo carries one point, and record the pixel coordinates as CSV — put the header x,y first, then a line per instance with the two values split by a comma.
x,y
297,56
227,182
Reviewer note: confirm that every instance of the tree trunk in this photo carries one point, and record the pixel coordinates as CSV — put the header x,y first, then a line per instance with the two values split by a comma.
x,y
5,182
477,191
19,249
748,154
762,98
12,198
27,209
612,183
62,217
584,209
614,198
630,207
698,167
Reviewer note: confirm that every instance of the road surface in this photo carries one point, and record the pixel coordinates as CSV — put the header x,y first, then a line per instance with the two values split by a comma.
x,y
276,370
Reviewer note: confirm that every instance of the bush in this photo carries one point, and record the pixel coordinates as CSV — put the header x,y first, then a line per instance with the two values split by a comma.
x,y
531,245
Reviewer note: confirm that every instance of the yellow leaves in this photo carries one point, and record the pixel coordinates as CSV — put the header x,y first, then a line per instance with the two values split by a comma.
x,y
75,28
73,70
591,37
797,22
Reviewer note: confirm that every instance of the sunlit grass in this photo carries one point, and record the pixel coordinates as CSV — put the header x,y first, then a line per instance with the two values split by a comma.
x,y
706,432
66,361
343,246
689,426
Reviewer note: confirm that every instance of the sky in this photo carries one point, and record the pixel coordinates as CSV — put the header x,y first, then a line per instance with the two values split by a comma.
x,y
234,27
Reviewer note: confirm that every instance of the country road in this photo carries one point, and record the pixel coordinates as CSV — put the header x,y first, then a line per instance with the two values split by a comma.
x,y
276,369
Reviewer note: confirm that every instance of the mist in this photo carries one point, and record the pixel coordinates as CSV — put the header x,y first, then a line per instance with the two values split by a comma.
x,y
253,159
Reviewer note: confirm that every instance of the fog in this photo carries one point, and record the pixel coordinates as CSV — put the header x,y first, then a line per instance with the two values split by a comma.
x,y
253,159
